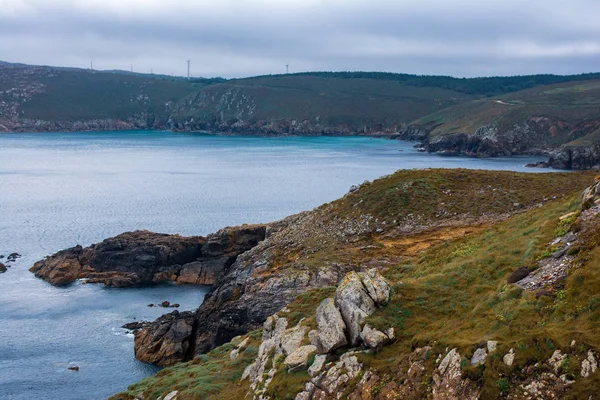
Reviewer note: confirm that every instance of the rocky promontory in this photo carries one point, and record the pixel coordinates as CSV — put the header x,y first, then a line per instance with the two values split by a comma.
x,y
143,257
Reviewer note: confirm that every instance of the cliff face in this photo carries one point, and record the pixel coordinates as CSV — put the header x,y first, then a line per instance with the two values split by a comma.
x,y
531,136
572,157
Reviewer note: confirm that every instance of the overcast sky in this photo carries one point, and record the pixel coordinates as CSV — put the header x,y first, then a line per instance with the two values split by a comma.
x,y
234,38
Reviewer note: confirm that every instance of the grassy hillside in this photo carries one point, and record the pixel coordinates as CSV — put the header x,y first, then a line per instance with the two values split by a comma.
x,y
484,86
324,100
572,105
82,95
449,286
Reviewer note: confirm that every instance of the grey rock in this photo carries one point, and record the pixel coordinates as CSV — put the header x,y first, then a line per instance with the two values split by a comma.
x,y
331,333
299,358
509,358
374,338
589,365
479,357
357,297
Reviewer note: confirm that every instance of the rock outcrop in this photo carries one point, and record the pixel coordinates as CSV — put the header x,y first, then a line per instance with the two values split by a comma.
x,y
357,297
143,257
167,340
575,157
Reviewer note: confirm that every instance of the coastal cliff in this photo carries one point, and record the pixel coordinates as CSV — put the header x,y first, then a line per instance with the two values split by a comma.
x,y
442,284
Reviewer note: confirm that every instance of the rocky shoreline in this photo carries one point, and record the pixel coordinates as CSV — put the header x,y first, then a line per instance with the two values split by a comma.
x,y
527,138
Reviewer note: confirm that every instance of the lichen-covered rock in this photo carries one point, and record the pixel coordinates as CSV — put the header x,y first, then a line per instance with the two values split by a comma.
x,y
235,353
479,357
509,358
447,381
357,297
299,357
375,338
331,333
317,365
556,360
589,365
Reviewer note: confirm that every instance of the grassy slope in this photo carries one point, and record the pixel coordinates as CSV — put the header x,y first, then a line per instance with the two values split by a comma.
x,y
332,100
85,95
570,102
70,95
453,293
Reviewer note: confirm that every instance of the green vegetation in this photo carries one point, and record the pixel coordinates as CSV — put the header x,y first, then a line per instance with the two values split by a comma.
x,y
210,376
486,86
87,95
572,104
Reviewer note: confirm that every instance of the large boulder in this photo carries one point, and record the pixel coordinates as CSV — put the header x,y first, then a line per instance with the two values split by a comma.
x,y
331,333
358,296
168,340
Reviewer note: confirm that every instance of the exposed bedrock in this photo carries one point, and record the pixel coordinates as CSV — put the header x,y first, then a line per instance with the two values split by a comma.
x,y
143,257
575,157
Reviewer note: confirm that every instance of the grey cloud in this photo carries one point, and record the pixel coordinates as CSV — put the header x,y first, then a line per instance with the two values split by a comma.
x,y
240,38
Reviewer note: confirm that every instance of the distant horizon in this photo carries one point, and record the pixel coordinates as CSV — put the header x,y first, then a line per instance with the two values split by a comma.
x,y
134,72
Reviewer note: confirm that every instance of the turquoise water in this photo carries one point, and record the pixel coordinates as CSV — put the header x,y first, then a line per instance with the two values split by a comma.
x,y
62,189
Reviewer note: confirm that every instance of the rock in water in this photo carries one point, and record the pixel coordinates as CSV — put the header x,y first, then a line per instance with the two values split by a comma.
x,y
2,268
13,257
168,340
144,257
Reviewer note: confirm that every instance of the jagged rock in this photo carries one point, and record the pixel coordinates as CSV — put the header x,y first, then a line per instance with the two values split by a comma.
x,y
509,358
134,326
199,273
317,365
375,338
492,345
235,353
168,340
127,259
13,257
357,297
589,365
292,339
556,360
479,357
299,357
447,381
331,333
144,257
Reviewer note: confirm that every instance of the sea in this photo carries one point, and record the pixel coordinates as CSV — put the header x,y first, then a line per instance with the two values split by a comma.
x,y
62,189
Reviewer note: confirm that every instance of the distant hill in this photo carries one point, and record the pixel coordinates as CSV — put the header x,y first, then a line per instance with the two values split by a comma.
x,y
535,121
488,116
